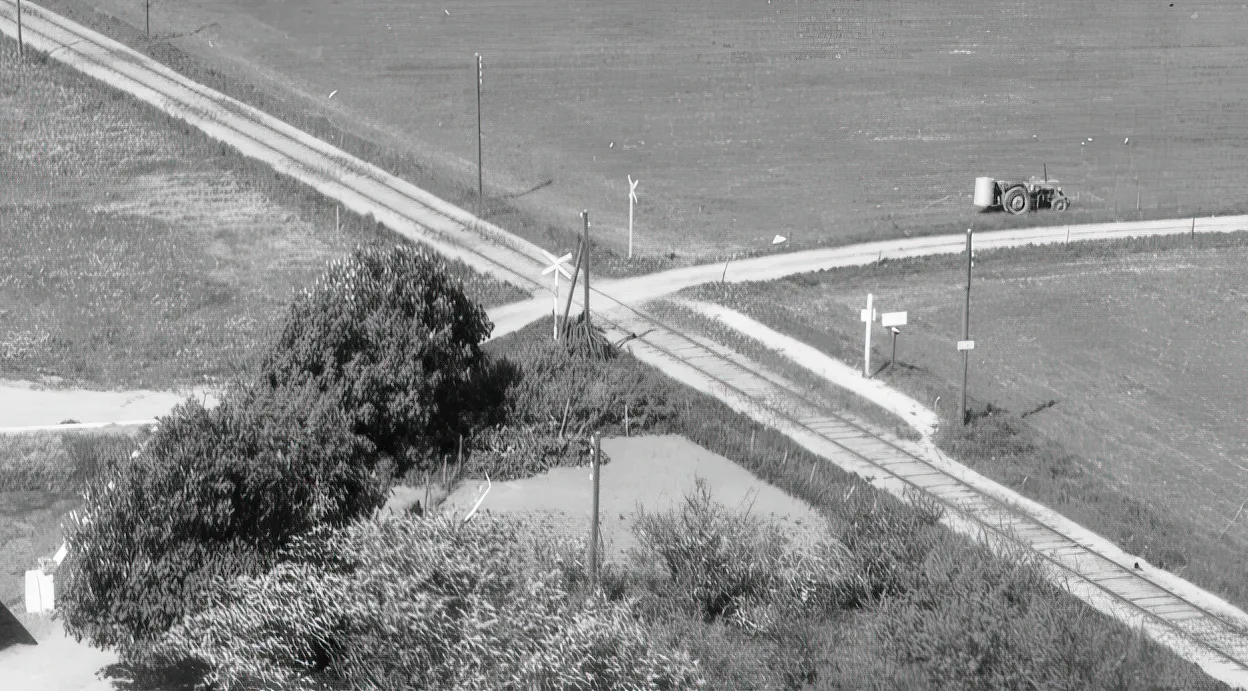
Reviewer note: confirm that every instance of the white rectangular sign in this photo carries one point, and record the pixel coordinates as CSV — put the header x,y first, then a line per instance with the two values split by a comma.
x,y
867,315
893,319
966,345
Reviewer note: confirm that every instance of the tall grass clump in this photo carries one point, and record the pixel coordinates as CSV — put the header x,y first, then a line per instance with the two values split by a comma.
x,y
405,602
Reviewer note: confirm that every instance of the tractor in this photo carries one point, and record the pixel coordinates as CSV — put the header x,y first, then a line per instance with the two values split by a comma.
x,y
1020,197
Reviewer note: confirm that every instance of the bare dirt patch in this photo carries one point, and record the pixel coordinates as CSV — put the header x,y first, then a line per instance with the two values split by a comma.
x,y
654,473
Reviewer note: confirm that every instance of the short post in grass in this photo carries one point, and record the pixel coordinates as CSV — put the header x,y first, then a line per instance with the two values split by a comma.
x,y
593,525
556,268
585,255
868,317
966,344
480,177
892,320
147,18
21,46
632,199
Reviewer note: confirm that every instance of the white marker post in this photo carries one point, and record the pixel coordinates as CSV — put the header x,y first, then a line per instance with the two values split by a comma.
x,y
893,320
868,317
556,268
632,199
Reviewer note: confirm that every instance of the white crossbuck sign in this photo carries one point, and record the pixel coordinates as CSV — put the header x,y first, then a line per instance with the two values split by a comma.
x,y
556,268
868,316
632,199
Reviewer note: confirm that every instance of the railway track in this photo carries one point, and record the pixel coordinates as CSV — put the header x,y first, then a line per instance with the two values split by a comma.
x,y
1197,625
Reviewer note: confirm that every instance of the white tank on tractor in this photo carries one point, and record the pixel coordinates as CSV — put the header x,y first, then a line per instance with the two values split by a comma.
x,y
1020,197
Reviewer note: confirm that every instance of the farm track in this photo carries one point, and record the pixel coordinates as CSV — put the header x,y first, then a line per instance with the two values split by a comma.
x,y
1197,625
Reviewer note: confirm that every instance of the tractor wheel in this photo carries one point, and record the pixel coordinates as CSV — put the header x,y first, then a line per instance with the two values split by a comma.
x,y
1016,200
1061,204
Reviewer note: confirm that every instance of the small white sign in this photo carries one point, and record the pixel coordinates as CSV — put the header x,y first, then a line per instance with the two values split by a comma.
x,y
893,319
778,239
966,345
867,315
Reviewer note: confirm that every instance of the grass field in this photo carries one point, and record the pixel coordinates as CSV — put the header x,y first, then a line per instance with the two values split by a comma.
x,y
823,121
1115,374
138,252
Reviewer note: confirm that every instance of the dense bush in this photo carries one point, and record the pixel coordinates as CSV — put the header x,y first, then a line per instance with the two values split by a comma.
x,y
402,602
213,493
728,563
390,334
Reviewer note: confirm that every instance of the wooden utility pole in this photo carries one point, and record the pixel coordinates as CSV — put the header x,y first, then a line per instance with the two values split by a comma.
x,y
147,18
480,178
966,326
585,254
21,47
576,272
593,529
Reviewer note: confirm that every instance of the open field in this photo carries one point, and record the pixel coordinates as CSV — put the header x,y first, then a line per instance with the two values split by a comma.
x,y
1137,345
825,122
139,252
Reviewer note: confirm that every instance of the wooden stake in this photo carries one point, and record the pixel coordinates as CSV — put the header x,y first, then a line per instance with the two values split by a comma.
x,y
626,419
147,18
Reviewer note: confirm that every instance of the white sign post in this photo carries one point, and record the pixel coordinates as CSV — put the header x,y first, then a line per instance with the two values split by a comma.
x,y
556,268
868,317
893,320
632,199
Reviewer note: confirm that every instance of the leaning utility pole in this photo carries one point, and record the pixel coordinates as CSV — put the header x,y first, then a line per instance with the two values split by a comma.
x,y
21,47
966,327
585,215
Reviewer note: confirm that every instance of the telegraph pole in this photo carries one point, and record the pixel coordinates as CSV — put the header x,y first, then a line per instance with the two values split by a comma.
x,y
147,18
966,326
480,185
585,215
593,526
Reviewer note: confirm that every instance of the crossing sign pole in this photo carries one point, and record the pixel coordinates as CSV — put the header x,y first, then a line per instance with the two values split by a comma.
x,y
556,268
893,320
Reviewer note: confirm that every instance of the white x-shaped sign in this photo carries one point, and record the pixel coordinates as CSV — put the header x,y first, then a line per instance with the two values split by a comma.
x,y
556,264
556,267
632,189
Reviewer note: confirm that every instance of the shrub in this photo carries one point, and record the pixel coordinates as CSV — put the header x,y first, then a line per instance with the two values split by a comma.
x,y
730,564
57,461
986,622
214,493
403,602
389,333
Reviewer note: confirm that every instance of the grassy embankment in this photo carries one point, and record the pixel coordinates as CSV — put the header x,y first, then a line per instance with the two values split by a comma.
x,y
139,252
1106,380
